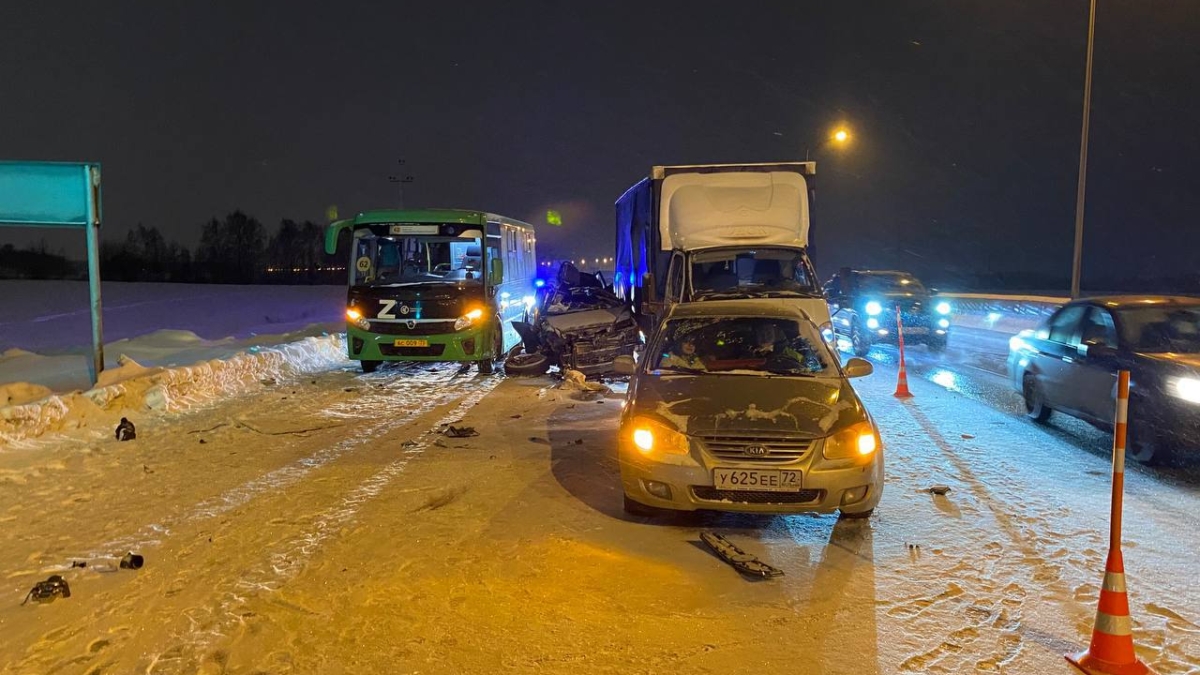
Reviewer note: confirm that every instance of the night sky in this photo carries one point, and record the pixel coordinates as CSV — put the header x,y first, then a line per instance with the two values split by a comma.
x,y
965,116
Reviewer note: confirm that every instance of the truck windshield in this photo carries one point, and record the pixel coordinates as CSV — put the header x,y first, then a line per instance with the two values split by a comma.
x,y
744,273
391,261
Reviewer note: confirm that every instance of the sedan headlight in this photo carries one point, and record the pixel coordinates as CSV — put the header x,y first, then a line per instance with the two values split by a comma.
x,y
857,441
467,320
650,436
1186,388
873,308
943,308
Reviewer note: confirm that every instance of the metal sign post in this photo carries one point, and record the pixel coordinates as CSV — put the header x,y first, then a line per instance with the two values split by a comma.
x,y
60,194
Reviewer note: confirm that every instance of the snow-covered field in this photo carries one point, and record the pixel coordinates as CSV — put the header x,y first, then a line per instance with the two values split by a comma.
x,y
45,327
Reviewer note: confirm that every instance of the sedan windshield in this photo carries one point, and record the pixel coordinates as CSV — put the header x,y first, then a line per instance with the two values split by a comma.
x,y
742,273
748,345
1162,328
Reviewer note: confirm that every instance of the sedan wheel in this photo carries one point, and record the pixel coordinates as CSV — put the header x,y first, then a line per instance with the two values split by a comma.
x,y
859,340
1035,402
1148,448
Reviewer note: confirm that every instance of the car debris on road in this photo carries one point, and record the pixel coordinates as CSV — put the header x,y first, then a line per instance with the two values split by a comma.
x,y
743,562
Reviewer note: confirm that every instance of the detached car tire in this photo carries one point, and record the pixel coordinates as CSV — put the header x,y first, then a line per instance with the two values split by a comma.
x,y
522,364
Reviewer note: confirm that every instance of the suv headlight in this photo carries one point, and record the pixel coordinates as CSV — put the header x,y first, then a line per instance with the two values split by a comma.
x,y
467,320
873,308
857,441
651,436
943,308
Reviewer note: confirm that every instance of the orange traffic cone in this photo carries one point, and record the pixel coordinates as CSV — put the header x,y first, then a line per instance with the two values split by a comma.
x,y
902,379
1111,651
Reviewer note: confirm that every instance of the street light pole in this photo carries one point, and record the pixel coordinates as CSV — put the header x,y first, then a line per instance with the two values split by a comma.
x,y
1083,149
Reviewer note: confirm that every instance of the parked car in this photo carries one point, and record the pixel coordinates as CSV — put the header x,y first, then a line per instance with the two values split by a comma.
x,y
1069,364
575,323
739,405
863,307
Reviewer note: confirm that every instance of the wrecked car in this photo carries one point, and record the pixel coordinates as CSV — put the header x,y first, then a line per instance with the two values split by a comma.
x,y
740,405
577,323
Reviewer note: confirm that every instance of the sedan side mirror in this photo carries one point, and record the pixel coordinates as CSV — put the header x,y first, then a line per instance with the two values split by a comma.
x,y
857,367
1098,351
624,365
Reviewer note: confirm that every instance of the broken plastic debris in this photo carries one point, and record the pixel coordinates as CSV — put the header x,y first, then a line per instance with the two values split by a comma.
x,y
126,430
48,590
132,561
968,436
460,432
939,489
741,561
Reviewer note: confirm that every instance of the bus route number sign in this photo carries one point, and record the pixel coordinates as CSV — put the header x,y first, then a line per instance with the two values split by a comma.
x,y
413,229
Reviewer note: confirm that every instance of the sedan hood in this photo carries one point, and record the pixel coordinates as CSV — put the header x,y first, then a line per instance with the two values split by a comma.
x,y
712,403
1190,360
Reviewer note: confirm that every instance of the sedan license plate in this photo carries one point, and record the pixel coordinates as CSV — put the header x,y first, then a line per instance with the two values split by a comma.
x,y
412,343
768,480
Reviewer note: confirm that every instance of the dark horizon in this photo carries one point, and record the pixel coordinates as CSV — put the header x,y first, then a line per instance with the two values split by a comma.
x,y
965,118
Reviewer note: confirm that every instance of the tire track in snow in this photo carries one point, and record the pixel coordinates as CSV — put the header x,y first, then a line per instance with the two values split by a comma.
x,y
208,625
152,534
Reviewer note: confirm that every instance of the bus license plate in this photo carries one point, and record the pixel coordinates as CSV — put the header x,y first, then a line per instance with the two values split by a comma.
x,y
411,343
761,480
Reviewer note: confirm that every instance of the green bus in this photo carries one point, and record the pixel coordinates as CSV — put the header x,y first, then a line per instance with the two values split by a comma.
x,y
435,284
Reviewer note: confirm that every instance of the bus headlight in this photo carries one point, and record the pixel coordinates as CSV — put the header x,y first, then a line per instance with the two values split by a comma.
x,y
355,318
467,320
873,308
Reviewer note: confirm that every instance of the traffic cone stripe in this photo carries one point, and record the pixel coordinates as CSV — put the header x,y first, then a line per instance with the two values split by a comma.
x,y
1114,582
1115,626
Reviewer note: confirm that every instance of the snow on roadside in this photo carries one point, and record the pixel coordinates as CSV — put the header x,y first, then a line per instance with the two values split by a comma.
x,y
134,389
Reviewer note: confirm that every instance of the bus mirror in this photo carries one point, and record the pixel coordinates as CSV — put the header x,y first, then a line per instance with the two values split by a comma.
x,y
649,292
496,275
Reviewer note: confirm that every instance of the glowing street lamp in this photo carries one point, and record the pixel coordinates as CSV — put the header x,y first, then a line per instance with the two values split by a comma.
x,y
841,136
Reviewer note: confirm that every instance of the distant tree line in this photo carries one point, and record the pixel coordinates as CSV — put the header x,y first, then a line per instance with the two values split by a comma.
x,y
235,249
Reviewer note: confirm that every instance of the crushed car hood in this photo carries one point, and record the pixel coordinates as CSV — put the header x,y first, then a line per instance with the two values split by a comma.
x,y
587,319
703,404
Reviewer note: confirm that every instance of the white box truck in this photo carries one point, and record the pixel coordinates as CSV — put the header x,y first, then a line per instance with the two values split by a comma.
x,y
718,231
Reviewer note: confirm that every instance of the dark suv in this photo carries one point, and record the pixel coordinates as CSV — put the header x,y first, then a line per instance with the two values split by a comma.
x,y
863,305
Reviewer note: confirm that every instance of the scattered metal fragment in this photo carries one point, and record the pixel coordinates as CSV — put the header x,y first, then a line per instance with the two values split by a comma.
x,y
741,561
460,432
126,430
48,590
939,489
132,561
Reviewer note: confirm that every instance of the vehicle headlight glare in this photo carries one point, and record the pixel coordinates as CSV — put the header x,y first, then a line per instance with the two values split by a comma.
x,y
943,308
944,323
466,320
872,323
353,314
855,441
1186,388
530,300
651,436
874,308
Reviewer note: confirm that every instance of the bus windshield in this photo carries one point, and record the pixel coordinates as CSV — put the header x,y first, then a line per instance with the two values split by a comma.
x,y
394,261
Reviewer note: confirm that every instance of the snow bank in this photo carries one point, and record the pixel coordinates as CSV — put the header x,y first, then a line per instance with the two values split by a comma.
x,y
133,388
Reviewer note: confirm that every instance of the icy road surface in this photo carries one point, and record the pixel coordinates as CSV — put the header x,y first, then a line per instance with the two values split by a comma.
x,y
323,525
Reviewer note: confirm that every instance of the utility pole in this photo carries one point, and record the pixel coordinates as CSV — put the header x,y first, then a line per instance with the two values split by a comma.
x,y
1083,150
400,181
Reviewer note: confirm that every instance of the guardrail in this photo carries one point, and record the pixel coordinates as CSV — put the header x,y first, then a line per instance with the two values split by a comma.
x,y
1002,313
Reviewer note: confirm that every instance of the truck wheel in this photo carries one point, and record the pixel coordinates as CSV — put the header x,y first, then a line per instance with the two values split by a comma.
x,y
860,341
523,364
1035,401
369,366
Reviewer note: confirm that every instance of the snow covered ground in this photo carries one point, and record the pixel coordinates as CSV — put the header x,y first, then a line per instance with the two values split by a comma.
x,y
320,523
45,326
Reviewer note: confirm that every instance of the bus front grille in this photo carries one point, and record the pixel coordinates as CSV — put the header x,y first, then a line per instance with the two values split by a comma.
x,y
431,350
419,328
